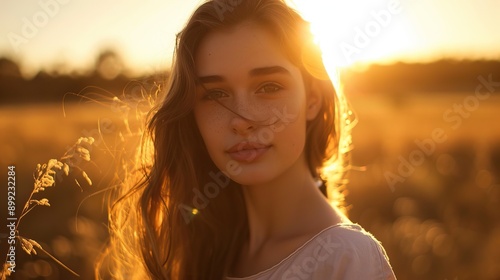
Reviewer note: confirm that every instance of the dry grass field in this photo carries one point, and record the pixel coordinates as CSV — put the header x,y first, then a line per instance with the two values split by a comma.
x,y
440,220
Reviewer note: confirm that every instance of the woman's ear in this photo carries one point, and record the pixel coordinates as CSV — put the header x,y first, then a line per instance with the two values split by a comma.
x,y
314,99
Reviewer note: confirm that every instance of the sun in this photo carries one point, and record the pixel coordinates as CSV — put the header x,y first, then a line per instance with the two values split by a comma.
x,y
352,33
355,34
330,25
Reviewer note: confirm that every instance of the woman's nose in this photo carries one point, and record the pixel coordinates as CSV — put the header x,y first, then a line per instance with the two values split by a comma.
x,y
242,115
241,125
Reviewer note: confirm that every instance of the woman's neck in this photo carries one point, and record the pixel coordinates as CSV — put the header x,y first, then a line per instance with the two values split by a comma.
x,y
287,207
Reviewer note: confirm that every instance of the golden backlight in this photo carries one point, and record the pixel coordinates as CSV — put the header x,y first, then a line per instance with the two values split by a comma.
x,y
353,33
325,18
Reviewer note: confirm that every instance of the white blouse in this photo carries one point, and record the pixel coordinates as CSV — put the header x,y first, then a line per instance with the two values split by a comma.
x,y
343,251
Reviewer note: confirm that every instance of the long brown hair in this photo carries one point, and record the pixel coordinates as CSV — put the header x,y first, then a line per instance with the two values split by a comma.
x,y
156,230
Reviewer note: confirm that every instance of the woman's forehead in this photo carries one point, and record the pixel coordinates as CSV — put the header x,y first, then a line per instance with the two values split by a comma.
x,y
239,50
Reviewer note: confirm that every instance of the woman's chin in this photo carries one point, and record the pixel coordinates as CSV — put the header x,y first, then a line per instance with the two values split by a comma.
x,y
252,178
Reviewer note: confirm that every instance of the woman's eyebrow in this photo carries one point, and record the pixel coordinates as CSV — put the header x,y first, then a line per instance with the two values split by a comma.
x,y
261,71
269,70
211,79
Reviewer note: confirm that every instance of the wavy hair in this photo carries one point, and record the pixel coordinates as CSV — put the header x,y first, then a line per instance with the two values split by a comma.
x,y
156,232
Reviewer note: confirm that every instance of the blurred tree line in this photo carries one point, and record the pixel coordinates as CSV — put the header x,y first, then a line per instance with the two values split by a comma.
x,y
444,75
109,73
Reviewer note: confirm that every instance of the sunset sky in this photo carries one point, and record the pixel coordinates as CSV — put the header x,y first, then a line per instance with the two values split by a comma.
x,y
45,33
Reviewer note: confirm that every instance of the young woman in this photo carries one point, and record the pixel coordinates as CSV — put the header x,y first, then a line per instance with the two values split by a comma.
x,y
249,130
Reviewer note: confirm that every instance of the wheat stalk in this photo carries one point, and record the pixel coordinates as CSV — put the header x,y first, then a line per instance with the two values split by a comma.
x,y
45,177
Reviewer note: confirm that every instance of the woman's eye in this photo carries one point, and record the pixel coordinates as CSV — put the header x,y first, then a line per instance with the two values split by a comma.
x,y
214,95
269,88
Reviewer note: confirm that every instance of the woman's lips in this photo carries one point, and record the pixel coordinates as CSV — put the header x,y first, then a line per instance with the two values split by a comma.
x,y
247,151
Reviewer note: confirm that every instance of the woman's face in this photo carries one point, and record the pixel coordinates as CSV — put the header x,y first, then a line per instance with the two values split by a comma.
x,y
263,134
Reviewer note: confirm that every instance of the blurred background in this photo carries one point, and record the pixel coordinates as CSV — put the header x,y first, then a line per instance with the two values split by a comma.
x,y
422,76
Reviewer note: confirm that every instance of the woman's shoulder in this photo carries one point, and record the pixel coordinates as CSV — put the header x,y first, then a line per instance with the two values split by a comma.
x,y
344,251
341,251
348,236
